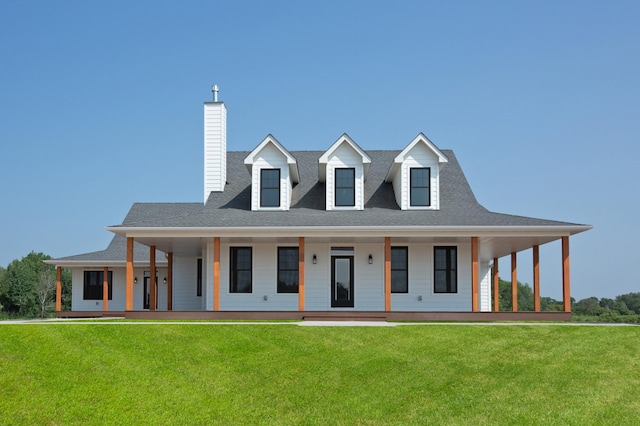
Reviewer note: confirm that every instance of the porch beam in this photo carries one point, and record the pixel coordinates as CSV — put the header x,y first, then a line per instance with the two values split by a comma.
x,y
58,288
536,278
129,276
496,286
301,273
105,289
216,273
152,278
475,273
387,274
170,281
566,281
514,282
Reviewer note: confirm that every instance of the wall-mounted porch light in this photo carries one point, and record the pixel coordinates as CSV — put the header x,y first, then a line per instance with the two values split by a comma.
x,y
315,259
164,281
370,259
135,280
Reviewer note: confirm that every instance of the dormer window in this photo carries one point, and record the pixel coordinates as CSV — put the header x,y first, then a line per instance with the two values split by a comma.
x,y
270,188
345,187
420,188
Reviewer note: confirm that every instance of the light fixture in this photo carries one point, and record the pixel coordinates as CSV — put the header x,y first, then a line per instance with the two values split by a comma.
x,y
370,259
164,281
315,259
420,298
135,280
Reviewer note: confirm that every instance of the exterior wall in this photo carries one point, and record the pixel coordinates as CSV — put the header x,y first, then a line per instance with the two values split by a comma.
x,y
185,279
215,147
419,156
421,282
485,287
345,156
271,158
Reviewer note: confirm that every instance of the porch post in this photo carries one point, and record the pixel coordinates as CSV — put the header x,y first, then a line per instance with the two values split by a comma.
x,y
170,281
496,286
129,274
474,274
536,278
58,288
152,278
566,282
301,273
216,273
105,289
514,282
387,274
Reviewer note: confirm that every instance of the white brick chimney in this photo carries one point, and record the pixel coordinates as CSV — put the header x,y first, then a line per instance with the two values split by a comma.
x,y
215,145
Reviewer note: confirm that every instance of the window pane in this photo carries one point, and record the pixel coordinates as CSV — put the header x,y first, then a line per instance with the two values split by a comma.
x,y
240,274
244,282
440,283
345,187
399,282
399,270
287,270
420,192
270,188
420,197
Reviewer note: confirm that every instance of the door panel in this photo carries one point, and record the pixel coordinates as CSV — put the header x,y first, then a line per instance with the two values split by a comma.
x,y
342,282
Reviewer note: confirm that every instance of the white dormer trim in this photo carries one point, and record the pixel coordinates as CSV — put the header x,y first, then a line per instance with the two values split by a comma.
x,y
270,154
344,154
420,153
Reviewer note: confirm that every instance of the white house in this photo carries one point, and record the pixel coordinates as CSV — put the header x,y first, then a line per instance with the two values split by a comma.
x,y
295,234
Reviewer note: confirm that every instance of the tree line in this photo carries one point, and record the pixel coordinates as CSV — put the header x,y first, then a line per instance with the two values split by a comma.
x,y
28,290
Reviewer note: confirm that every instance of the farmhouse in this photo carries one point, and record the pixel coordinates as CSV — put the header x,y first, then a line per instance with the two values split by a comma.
x,y
344,232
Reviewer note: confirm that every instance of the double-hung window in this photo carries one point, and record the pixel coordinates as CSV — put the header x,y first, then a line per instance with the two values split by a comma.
x,y
445,269
93,282
345,184
240,276
287,269
399,270
269,187
420,194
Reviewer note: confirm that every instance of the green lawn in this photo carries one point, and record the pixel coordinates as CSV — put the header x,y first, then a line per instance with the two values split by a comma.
x,y
285,374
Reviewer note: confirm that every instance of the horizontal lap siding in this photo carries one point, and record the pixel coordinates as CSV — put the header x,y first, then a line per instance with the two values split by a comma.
x,y
185,284
421,282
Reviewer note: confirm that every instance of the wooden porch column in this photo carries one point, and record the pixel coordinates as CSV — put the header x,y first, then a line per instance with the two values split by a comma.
x,y
58,288
536,278
129,274
169,281
152,278
105,289
301,274
387,274
566,282
514,282
496,286
474,274
216,273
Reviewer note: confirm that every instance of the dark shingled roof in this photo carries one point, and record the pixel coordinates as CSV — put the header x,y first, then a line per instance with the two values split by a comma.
x,y
117,250
232,208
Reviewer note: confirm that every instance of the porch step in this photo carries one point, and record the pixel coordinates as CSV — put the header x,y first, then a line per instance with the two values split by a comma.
x,y
344,317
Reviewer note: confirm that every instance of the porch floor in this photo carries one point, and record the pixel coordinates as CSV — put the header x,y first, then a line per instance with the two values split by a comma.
x,y
321,315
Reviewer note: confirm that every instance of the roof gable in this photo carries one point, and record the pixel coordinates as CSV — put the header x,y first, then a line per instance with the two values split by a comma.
x,y
270,140
420,140
328,154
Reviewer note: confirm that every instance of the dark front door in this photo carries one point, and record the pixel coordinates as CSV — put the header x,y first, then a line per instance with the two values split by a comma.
x,y
146,292
342,281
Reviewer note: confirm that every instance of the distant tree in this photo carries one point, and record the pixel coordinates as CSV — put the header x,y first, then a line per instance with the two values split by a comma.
x,y
21,279
550,304
631,300
608,304
525,296
45,290
588,306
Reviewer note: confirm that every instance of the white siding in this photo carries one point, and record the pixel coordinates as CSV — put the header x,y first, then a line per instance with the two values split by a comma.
x,y
421,282
271,158
345,157
485,287
419,156
215,147
185,284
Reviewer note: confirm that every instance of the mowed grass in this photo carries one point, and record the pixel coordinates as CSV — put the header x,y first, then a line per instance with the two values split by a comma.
x,y
192,374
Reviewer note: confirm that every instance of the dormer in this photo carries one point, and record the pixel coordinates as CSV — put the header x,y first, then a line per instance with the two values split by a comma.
x,y
415,175
343,168
274,172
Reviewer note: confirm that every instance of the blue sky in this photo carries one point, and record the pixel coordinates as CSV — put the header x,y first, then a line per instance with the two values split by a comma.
x,y
101,106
